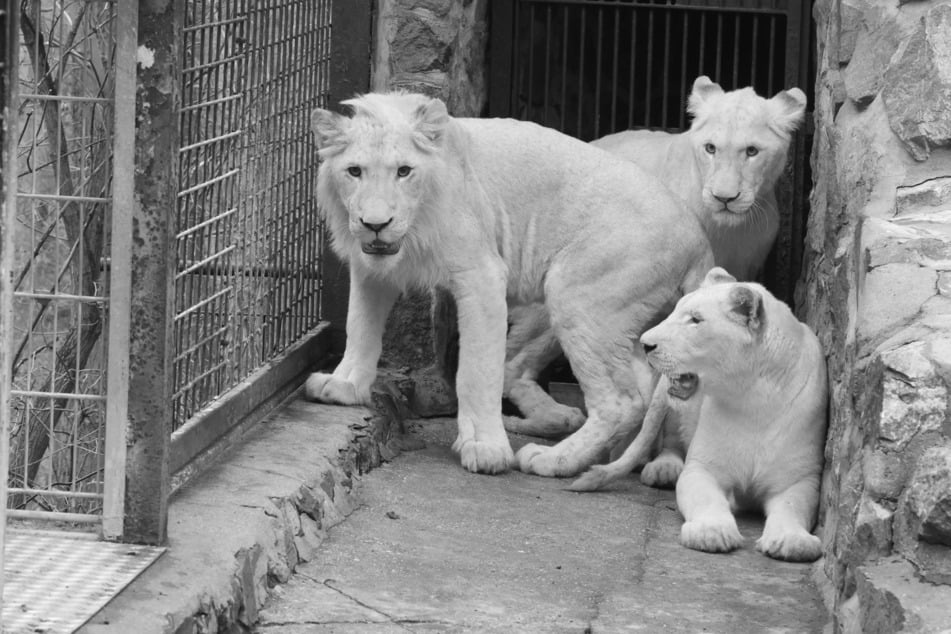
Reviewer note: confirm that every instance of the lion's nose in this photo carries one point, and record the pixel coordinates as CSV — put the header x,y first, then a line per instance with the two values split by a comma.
x,y
648,348
376,227
726,199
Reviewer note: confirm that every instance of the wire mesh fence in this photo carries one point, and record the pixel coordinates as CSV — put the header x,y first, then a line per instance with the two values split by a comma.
x,y
248,239
60,282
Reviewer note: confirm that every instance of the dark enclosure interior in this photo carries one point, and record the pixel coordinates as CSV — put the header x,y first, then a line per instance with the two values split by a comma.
x,y
593,67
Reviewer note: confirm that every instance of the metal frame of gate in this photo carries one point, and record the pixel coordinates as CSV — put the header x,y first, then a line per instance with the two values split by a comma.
x,y
149,284
593,67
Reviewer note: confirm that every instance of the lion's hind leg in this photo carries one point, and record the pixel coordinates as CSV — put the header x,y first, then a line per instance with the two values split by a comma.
x,y
616,381
636,453
789,516
531,346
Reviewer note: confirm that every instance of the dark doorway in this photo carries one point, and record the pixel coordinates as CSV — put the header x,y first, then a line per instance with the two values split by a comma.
x,y
593,67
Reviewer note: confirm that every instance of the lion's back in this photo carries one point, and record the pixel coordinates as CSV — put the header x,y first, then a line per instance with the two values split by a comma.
x,y
550,172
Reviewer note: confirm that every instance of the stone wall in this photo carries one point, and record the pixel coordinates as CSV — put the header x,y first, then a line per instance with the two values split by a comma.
x,y
877,288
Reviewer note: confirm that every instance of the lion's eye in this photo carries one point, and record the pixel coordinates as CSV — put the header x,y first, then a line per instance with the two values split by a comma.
x,y
403,171
710,148
752,151
354,171
695,318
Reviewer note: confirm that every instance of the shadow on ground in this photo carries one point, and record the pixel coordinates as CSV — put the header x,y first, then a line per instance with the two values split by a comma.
x,y
435,548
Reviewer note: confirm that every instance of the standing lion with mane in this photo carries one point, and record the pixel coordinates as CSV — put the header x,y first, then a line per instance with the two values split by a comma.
x,y
500,211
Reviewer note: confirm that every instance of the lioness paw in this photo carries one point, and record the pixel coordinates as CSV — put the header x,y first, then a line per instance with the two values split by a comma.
x,y
663,472
711,536
546,461
327,388
794,545
480,456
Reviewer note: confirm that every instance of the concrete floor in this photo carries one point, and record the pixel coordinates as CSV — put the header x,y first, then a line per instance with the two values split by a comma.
x,y
432,547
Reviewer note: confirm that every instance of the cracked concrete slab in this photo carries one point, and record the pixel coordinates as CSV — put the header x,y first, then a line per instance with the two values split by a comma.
x,y
435,548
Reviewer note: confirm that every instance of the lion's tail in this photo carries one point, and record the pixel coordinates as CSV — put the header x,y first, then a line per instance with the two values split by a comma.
x,y
638,452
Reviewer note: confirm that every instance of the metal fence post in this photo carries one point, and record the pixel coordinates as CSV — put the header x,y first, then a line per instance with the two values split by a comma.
x,y
153,211
8,128
120,287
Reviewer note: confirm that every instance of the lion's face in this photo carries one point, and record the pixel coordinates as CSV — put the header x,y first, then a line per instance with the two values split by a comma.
x,y
710,333
740,142
376,170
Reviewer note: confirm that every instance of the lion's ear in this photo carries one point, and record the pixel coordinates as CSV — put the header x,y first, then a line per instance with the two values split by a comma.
x,y
788,108
747,304
329,128
717,275
431,119
703,89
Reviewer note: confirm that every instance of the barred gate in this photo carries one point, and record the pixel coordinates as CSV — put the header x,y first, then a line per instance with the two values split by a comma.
x,y
247,236
593,67
169,281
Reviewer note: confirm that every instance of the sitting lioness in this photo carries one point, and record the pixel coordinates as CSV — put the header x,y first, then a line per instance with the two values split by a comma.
x,y
497,210
724,168
756,426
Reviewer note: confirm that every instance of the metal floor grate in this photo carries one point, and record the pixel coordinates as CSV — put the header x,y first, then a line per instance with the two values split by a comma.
x,y
55,583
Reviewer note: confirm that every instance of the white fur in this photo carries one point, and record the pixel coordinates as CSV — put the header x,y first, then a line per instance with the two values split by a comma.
x,y
497,211
741,231
754,432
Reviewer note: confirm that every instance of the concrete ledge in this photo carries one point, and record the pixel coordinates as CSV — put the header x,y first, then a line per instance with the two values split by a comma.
x,y
244,525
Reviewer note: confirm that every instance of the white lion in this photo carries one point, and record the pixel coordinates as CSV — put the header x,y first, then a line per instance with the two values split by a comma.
x,y
498,210
724,168
755,429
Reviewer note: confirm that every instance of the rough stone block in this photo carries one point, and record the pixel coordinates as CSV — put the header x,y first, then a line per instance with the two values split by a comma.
x,y
914,399
917,90
871,535
885,473
891,297
925,510
934,193
874,46
892,599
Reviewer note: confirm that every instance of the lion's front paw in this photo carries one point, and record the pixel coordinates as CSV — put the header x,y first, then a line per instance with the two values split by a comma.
x,y
481,456
546,461
327,388
792,545
712,536
662,473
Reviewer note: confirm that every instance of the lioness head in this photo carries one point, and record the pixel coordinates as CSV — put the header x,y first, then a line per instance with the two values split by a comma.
x,y
711,333
375,172
740,141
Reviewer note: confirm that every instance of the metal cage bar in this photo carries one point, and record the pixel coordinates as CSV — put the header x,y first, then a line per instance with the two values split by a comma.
x,y
593,67
120,274
8,126
658,47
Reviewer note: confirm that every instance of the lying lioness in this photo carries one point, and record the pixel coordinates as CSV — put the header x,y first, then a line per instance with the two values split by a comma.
x,y
754,432
498,210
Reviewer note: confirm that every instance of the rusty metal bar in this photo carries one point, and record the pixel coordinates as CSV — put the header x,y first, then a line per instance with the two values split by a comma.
x,y
152,268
